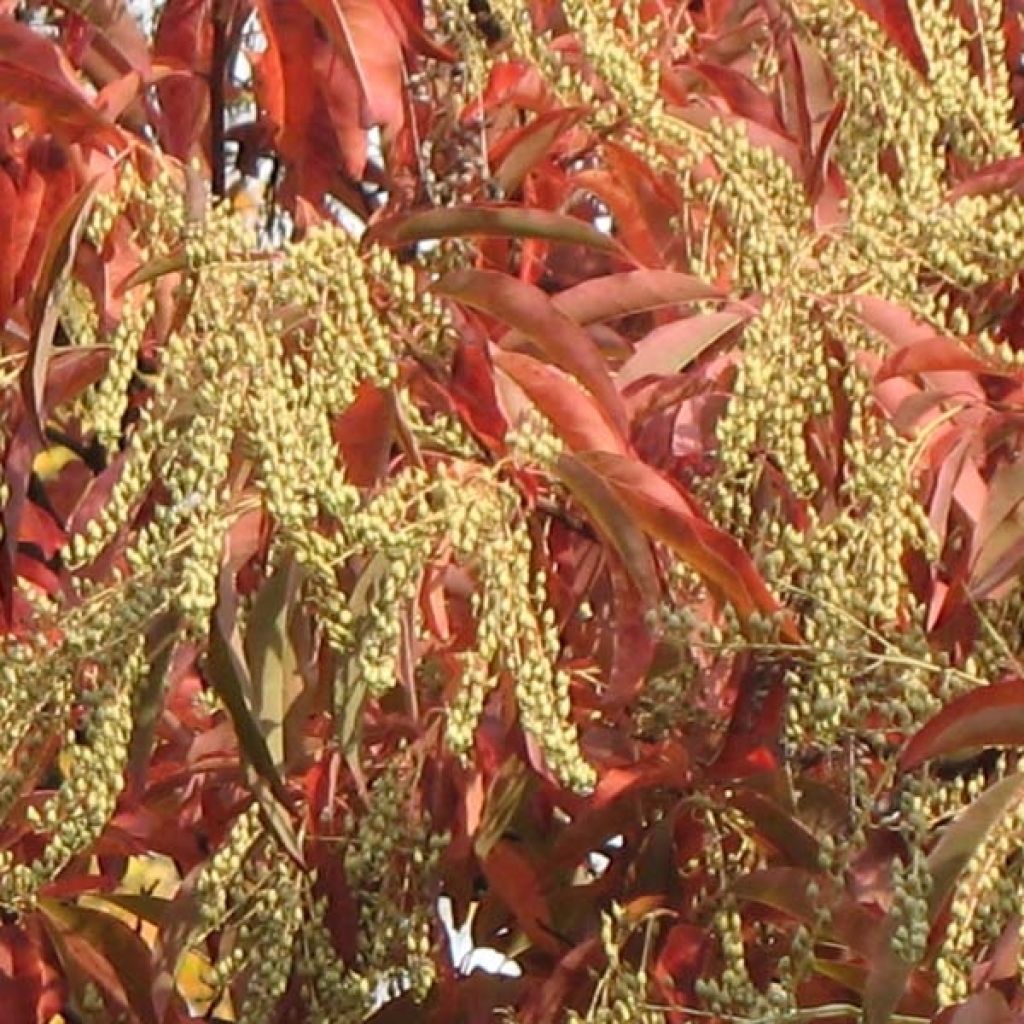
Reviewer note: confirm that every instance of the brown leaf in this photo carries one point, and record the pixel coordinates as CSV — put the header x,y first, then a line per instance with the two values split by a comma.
x,y
489,219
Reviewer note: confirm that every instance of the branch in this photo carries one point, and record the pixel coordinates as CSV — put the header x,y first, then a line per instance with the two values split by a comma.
x,y
218,77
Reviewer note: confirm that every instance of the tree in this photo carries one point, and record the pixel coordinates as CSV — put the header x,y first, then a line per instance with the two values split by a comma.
x,y
549,463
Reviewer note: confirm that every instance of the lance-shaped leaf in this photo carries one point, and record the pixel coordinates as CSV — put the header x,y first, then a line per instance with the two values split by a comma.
x,y
780,828
350,703
633,291
990,716
520,151
896,20
576,417
665,513
63,240
97,947
527,309
37,75
230,677
667,349
364,38
614,522
791,891
889,973
1002,176
996,554
933,355
489,220
271,657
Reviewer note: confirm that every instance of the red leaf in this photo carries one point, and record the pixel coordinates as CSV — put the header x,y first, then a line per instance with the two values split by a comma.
x,y
1002,176
184,37
938,354
789,890
823,154
671,769
518,152
527,309
996,551
29,987
17,467
63,238
671,347
896,20
314,98
635,291
37,527
35,74
614,522
19,214
576,417
987,1007
739,92
990,716
364,432
472,392
511,875
106,951
782,830
664,512
71,371
364,38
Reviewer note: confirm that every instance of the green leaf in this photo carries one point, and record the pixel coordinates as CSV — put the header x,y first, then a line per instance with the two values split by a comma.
x,y
149,699
228,673
271,658
349,705
889,974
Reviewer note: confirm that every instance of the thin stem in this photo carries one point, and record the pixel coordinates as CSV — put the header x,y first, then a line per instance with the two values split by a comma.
x,y
218,76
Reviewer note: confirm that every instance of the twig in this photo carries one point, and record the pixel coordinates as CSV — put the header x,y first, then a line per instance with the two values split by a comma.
x,y
218,75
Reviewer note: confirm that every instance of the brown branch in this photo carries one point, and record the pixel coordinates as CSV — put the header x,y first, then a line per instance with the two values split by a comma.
x,y
218,81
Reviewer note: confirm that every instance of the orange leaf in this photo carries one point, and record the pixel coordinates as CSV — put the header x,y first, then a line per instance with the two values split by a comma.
x,y
526,308
635,291
667,349
576,417
613,520
365,40
667,514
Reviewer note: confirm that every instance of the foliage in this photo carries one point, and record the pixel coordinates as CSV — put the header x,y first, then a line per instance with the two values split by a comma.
x,y
615,541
